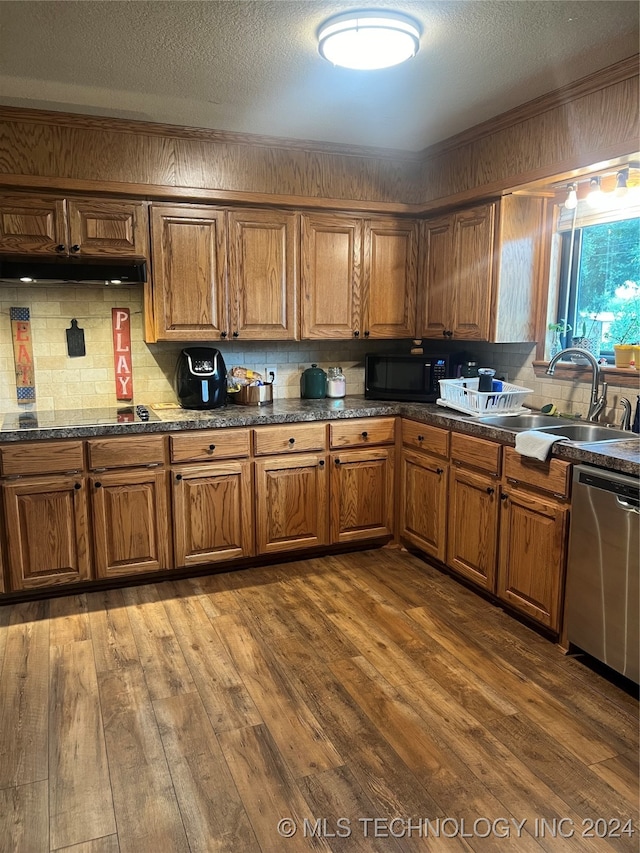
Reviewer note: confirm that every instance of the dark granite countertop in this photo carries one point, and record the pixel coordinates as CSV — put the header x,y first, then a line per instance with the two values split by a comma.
x,y
623,456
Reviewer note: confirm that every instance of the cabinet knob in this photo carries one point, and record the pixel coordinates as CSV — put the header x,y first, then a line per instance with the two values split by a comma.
x,y
420,438
75,248
292,441
490,490
449,334
356,334
77,486
236,334
223,334
212,447
439,470
337,461
321,463
504,497
60,247
364,434
178,477
98,485
366,334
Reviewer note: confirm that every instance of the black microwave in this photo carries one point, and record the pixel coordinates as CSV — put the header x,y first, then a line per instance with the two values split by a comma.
x,y
407,377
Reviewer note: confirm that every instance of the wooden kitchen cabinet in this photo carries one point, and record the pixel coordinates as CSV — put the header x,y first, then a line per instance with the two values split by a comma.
x,y
474,493
263,272
291,502
481,269
424,487
534,516
129,503
92,227
358,276
362,478
212,496
47,526
189,272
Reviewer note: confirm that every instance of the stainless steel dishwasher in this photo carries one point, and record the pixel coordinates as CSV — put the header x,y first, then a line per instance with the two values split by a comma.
x,y
603,568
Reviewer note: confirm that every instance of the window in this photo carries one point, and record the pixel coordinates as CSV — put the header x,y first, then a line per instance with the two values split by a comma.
x,y
600,285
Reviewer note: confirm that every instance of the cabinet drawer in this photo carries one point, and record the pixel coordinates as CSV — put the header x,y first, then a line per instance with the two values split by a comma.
x,y
41,457
289,438
362,432
210,444
476,452
553,476
129,452
430,439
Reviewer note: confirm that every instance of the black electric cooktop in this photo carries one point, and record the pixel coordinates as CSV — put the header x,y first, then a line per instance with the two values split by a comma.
x,y
61,419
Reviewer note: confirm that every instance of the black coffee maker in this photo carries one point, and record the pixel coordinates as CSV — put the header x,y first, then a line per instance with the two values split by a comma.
x,y
201,378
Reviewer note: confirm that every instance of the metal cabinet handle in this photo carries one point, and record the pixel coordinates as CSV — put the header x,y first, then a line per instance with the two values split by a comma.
x,y
420,438
504,497
439,470
356,334
223,334
75,248
60,247
366,334
236,334
490,490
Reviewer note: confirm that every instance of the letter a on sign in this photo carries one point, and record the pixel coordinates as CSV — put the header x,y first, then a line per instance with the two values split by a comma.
x,y
121,325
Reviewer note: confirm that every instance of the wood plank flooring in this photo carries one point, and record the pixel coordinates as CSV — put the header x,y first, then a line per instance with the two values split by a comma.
x,y
370,700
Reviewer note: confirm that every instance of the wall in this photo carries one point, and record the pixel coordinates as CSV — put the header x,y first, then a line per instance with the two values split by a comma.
x,y
88,381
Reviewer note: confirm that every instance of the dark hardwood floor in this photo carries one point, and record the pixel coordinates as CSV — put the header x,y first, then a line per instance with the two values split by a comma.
x,y
367,701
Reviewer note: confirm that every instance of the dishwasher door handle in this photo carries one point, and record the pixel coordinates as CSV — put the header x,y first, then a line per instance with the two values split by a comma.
x,y
628,507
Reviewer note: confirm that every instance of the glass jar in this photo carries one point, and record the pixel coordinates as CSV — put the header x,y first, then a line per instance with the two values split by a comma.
x,y
336,382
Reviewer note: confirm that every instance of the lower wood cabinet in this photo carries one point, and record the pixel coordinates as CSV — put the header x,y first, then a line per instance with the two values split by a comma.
x,y
291,502
130,520
48,531
212,512
424,498
362,494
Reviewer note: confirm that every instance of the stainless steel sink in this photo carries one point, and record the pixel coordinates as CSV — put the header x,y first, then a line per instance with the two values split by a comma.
x,y
588,433
517,423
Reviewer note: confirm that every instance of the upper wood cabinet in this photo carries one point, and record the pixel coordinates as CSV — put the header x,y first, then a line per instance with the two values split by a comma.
x,y
263,269
224,274
46,225
358,276
189,272
480,272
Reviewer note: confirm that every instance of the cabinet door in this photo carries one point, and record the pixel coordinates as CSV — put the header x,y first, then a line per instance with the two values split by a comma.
x,y
47,531
390,278
331,276
108,228
424,503
212,512
262,274
291,503
189,272
130,522
473,254
361,494
32,225
472,532
533,541
438,291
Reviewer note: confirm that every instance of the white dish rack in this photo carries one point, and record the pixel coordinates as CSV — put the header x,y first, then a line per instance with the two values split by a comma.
x,y
463,396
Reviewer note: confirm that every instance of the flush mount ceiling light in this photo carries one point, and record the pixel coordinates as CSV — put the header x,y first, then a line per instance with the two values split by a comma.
x,y
369,40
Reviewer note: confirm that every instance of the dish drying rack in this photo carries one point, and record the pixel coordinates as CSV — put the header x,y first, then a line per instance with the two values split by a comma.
x,y
463,396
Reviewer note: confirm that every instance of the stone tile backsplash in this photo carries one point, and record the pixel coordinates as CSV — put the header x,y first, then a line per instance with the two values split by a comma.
x,y
88,381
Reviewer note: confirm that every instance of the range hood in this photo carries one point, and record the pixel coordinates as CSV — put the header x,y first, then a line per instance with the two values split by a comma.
x,y
37,270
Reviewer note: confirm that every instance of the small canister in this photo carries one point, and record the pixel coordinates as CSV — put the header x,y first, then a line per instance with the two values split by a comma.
x,y
336,382
313,383
486,375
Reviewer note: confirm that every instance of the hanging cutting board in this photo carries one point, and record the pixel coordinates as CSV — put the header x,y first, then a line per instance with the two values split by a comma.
x,y
75,340
23,355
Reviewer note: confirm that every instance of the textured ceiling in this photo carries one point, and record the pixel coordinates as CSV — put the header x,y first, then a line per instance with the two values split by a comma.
x,y
253,67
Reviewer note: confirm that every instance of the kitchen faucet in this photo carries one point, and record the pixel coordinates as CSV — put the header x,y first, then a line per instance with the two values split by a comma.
x,y
597,402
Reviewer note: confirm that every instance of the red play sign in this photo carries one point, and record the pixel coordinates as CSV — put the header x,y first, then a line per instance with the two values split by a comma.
x,y
121,324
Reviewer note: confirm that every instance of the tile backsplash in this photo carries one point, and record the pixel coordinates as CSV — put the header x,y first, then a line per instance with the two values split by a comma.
x,y
88,381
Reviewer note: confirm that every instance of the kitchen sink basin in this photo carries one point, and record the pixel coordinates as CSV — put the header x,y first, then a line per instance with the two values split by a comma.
x,y
528,420
588,433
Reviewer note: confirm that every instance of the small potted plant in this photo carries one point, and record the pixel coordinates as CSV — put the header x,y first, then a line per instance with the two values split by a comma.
x,y
558,330
589,339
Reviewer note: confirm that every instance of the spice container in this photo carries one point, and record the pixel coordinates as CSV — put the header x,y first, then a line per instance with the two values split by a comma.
x,y
336,382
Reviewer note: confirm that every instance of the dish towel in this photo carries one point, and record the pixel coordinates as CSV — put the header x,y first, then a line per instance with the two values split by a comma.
x,y
536,444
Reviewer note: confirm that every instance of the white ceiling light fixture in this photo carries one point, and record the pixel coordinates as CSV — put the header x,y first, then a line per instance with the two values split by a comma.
x,y
369,40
